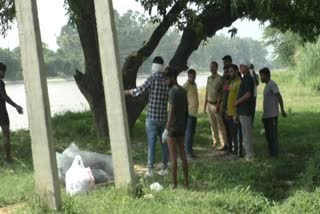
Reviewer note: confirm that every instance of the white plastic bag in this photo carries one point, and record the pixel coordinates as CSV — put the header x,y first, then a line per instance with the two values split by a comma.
x,y
156,186
164,136
95,161
78,178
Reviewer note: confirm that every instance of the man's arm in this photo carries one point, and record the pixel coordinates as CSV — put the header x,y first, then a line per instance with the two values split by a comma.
x,y
248,89
280,100
139,90
205,101
242,99
171,110
219,100
256,78
4,96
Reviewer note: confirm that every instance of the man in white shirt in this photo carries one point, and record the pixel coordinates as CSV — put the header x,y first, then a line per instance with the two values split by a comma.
x,y
271,101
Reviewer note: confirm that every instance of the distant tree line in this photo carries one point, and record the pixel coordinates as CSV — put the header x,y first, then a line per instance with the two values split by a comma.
x,y
133,30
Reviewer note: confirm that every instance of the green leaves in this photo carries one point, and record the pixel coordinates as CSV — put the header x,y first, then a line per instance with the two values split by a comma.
x,y
7,14
285,44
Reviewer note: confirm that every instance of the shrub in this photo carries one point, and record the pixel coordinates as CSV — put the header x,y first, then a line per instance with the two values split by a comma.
x,y
308,64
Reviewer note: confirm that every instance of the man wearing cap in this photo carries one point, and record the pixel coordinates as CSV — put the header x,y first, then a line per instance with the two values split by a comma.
x,y
212,106
245,108
156,120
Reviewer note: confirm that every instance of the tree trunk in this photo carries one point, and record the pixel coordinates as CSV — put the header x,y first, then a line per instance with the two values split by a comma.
x,y
188,43
212,21
134,105
90,83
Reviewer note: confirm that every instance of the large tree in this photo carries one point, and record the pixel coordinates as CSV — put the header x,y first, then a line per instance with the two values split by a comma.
x,y
198,19
90,81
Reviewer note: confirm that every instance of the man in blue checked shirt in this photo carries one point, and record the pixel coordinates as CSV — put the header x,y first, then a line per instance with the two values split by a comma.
x,y
156,86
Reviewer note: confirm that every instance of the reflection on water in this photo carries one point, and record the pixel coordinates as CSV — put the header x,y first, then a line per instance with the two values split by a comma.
x,y
63,96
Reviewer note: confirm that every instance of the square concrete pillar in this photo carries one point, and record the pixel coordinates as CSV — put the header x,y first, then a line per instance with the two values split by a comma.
x,y
44,160
113,90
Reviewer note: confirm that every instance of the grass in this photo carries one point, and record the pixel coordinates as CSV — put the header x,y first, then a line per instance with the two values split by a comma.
x,y
287,184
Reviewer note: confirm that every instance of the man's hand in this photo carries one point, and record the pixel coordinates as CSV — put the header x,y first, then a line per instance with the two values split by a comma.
x,y
236,119
217,109
284,114
235,104
127,92
205,107
19,109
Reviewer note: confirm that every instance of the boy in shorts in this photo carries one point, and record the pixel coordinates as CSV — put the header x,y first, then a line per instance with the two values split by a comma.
x,y
176,124
4,118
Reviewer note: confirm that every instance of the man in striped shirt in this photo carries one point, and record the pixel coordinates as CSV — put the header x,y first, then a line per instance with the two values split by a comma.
x,y
156,120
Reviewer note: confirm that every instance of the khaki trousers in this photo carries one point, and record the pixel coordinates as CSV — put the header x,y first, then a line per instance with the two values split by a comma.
x,y
218,130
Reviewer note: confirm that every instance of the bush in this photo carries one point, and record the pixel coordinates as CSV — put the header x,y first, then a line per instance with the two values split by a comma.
x,y
308,64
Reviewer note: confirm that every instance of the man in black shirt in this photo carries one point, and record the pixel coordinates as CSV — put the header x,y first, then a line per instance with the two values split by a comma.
x,y
176,124
245,108
4,118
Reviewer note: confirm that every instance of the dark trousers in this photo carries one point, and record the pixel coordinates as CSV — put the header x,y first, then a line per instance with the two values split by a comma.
x,y
190,132
234,127
240,140
228,131
271,132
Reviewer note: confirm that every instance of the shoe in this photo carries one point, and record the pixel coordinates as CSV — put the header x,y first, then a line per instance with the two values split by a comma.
x,y
149,173
222,148
163,172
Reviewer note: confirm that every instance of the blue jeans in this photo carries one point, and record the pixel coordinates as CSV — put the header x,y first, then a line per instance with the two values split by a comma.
x,y
154,130
190,131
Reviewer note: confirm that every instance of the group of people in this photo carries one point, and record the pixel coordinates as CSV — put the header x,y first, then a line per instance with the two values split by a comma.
x,y
230,102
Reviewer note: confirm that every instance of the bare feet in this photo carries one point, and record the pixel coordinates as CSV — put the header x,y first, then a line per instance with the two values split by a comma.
x,y
221,148
214,145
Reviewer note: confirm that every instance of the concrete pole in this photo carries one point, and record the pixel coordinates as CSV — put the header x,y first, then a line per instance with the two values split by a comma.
x,y
113,90
44,160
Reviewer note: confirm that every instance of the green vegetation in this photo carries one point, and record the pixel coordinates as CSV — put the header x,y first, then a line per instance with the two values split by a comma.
x,y
308,63
219,183
301,56
133,31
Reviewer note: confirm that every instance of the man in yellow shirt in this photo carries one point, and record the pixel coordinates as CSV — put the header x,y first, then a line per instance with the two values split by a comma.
x,y
193,104
232,118
212,105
